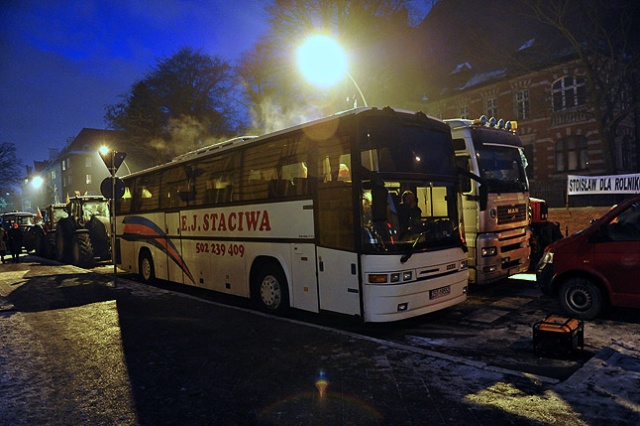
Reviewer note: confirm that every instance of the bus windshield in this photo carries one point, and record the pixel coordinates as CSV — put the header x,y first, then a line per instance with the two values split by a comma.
x,y
502,169
409,200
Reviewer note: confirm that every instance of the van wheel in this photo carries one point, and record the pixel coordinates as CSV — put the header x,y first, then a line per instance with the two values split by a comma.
x,y
270,289
581,297
145,267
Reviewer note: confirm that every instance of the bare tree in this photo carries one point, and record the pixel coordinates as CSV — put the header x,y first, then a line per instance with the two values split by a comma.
x,y
11,173
603,37
184,103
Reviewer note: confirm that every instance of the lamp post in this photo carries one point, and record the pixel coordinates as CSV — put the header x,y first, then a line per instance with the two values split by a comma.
x,y
323,62
112,188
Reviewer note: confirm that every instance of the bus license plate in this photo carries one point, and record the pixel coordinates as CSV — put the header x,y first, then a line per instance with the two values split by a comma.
x,y
439,292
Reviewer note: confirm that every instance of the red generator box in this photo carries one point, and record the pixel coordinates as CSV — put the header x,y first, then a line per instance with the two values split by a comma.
x,y
558,337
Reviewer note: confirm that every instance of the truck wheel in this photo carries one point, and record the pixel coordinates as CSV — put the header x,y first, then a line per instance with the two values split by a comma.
x,y
580,297
145,268
270,289
82,252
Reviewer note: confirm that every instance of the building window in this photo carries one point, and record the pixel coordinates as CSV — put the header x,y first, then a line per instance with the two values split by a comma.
x,y
87,162
571,154
568,92
522,104
492,107
88,179
64,165
52,175
464,112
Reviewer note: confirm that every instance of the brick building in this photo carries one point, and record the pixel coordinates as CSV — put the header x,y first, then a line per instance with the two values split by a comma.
x,y
517,69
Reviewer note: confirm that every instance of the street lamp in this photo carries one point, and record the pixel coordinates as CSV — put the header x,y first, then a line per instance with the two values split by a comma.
x,y
323,62
37,182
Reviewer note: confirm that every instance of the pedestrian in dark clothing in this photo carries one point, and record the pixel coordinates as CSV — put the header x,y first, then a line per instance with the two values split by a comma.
x,y
14,238
3,242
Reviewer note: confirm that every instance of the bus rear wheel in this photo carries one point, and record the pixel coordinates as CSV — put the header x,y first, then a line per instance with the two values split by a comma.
x,y
270,289
146,269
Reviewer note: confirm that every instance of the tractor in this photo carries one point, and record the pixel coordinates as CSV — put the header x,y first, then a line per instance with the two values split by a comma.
x,y
84,236
45,230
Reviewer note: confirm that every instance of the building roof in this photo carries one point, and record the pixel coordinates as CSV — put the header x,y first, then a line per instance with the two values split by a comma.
x,y
479,41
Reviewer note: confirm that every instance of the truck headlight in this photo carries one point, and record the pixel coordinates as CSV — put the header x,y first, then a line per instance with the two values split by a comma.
x,y
488,251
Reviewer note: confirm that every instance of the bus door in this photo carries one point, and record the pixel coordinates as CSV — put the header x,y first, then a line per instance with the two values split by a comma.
x,y
173,259
338,281
337,263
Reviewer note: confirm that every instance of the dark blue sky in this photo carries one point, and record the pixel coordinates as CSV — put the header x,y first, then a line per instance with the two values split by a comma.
x,y
61,62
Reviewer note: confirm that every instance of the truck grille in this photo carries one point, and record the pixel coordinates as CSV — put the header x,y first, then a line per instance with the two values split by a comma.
x,y
511,214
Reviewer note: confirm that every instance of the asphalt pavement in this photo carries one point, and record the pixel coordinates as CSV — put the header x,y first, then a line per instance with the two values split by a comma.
x,y
77,349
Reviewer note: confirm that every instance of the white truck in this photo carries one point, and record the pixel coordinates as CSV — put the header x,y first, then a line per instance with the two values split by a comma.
x,y
495,197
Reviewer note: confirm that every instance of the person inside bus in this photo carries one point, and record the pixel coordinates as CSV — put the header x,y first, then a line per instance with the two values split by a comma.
x,y
409,214
366,209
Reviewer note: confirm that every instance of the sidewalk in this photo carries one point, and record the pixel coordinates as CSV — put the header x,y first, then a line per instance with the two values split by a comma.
x,y
76,350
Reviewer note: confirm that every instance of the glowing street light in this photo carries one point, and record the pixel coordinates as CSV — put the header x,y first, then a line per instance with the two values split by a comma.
x,y
323,62
38,182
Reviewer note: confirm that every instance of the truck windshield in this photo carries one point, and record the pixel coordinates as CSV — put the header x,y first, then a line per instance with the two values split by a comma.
x,y
502,168
409,198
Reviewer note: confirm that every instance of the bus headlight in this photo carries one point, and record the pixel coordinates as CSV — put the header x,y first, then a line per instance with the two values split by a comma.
x,y
488,251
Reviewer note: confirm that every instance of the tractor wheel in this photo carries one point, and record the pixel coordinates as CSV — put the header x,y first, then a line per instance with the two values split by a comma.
x,y
41,243
82,252
61,248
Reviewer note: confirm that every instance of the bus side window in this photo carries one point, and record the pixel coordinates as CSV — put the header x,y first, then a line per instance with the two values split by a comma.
x,y
124,204
171,181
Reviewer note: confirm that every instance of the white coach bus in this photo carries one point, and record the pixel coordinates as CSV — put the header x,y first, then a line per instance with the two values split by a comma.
x,y
309,217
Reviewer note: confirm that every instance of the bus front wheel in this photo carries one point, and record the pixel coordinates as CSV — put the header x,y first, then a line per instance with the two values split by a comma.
x,y
270,289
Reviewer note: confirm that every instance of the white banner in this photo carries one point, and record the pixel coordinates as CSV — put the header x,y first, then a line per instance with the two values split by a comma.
x,y
617,184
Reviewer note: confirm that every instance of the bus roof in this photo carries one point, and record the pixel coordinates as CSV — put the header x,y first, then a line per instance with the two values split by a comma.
x,y
242,140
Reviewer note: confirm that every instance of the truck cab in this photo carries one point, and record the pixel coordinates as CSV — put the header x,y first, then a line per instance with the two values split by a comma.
x,y
495,197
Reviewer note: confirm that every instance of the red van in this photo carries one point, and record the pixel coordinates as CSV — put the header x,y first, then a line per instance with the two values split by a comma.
x,y
598,266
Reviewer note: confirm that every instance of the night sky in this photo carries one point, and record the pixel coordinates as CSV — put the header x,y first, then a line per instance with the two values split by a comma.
x,y
61,62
